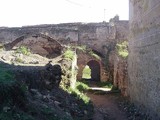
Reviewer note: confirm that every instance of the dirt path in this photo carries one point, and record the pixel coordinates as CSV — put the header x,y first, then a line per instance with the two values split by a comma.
x,y
106,107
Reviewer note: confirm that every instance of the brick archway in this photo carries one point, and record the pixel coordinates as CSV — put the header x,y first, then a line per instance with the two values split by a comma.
x,y
86,59
95,70
38,43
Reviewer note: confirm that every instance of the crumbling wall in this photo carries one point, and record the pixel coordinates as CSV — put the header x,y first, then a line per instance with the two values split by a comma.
x,y
144,56
120,75
100,37
93,35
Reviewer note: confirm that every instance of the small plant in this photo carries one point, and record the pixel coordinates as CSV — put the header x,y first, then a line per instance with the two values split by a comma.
x,y
94,55
6,75
1,46
69,54
82,48
105,84
122,49
80,95
78,91
24,50
82,86
19,60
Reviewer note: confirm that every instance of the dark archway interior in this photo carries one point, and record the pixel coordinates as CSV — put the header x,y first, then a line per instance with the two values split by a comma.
x,y
95,70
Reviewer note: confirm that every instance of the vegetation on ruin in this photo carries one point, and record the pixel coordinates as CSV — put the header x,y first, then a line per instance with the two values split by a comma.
x,y
78,91
12,97
122,49
23,50
86,72
17,102
106,84
68,54
89,51
94,55
82,48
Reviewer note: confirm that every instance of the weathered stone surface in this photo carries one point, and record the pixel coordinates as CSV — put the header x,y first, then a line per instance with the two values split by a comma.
x,y
94,35
118,72
83,59
37,44
46,77
144,58
44,40
120,75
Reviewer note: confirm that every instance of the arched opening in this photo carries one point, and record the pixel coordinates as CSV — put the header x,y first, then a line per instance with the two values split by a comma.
x,y
86,73
92,71
38,43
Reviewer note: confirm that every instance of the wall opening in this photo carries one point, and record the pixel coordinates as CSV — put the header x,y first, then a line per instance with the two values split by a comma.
x,y
86,73
92,71
38,44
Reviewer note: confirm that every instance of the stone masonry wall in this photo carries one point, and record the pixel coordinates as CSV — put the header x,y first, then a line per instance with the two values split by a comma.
x,y
93,35
100,37
83,59
144,56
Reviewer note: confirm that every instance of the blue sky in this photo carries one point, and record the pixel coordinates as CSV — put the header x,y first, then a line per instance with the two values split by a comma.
x,y
15,13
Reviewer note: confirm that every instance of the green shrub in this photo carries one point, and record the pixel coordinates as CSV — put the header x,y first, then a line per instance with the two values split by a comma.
x,y
24,50
82,48
6,75
122,49
80,95
10,89
78,92
81,86
94,55
19,60
69,54
105,84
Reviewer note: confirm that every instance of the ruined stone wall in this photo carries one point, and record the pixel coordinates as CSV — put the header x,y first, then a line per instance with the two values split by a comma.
x,y
120,75
94,35
100,37
144,56
83,59
56,32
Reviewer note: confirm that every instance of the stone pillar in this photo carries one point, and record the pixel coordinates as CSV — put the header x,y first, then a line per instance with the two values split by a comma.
x,y
74,72
144,56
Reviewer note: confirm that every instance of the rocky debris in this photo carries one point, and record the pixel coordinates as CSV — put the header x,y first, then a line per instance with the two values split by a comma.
x,y
61,104
11,91
26,103
51,76
7,57
44,100
12,57
46,77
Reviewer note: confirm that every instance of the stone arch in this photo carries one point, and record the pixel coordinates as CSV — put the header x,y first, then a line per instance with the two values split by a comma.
x,y
48,47
95,70
83,59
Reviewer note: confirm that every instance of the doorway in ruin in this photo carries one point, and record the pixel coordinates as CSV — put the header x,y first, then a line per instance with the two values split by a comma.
x,y
92,71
